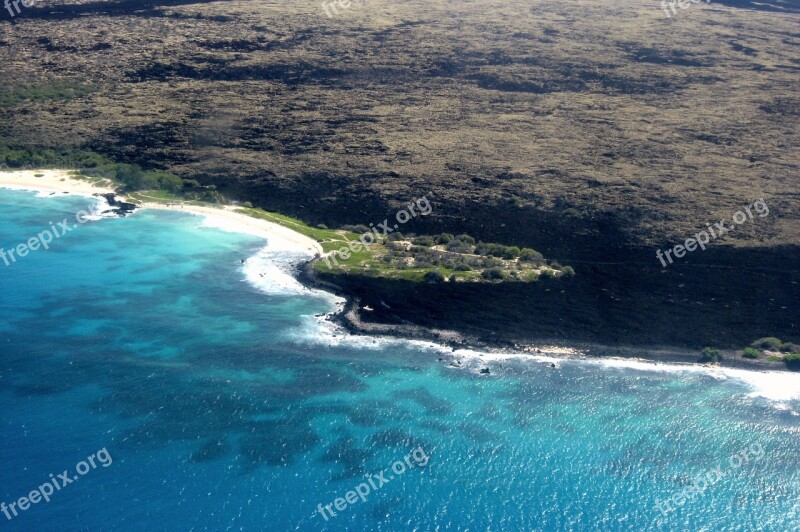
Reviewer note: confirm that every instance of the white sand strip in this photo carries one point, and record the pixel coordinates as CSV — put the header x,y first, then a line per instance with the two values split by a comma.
x,y
226,219
50,181
223,218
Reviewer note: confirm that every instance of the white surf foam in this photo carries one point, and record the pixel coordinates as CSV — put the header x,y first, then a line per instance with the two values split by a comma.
x,y
319,330
773,385
272,270
100,209
777,386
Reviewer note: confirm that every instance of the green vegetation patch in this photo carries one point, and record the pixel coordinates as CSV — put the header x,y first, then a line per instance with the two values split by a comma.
x,y
775,344
769,342
751,353
58,89
710,354
792,361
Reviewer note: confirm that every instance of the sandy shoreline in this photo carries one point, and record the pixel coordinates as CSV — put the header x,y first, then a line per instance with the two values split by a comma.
x,y
222,218
282,238
59,181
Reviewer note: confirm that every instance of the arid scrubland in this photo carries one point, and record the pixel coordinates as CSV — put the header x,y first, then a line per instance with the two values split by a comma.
x,y
594,132
626,118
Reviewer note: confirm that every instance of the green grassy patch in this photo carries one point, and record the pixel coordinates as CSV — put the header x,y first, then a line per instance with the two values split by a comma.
x,y
329,239
59,89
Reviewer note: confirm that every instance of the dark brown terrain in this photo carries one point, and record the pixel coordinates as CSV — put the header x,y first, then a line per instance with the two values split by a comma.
x,y
595,132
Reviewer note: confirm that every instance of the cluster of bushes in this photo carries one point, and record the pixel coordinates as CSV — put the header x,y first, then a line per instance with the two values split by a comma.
x,y
774,344
134,178
358,229
751,353
493,274
710,355
425,257
463,254
770,343
466,244
434,276
91,164
792,361
18,157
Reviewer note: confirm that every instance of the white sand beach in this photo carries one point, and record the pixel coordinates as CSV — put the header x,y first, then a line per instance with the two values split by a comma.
x,y
222,218
48,181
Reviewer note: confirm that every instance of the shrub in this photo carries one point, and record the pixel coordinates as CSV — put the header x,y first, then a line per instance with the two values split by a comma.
x,y
444,238
494,250
456,246
434,276
463,267
751,353
164,181
511,252
466,239
792,361
394,237
528,254
359,229
789,347
567,270
769,342
493,274
710,355
249,205
423,241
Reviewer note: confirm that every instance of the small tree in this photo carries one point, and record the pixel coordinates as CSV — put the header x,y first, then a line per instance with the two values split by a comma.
x,y
444,238
770,342
528,254
710,355
792,361
434,276
493,274
750,353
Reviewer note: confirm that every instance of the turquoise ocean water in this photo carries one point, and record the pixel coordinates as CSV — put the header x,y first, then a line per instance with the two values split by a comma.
x,y
224,404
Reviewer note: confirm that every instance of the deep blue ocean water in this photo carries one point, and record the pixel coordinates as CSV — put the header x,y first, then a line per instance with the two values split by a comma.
x,y
224,404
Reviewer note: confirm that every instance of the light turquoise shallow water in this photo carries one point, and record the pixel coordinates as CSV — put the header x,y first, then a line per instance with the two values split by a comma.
x,y
225,406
